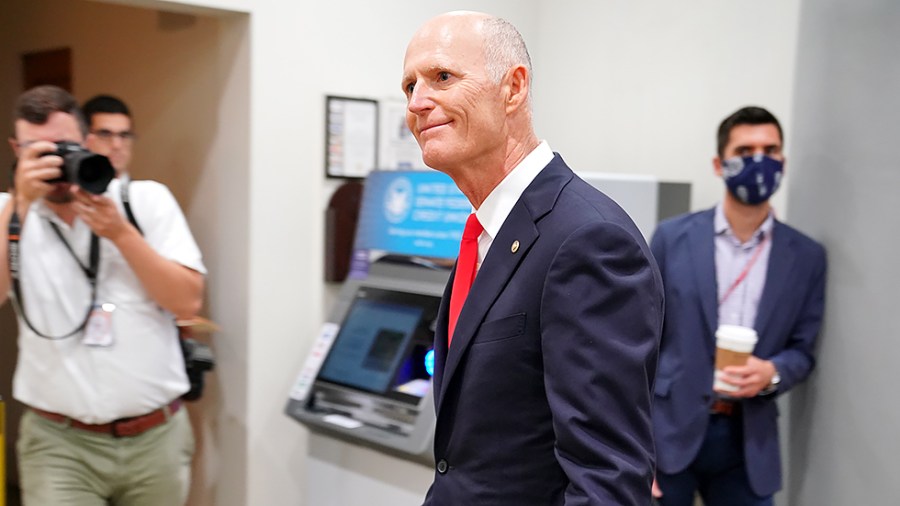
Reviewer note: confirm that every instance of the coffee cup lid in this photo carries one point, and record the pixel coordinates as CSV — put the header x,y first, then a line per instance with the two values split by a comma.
x,y
737,332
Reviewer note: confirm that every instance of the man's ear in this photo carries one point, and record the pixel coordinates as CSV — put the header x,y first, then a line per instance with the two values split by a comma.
x,y
14,145
518,88
717,166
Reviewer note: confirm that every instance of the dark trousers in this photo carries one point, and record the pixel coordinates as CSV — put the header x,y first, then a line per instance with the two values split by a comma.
x,y
717,472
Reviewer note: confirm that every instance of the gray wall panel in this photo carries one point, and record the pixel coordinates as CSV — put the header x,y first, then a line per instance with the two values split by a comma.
x,y
845,191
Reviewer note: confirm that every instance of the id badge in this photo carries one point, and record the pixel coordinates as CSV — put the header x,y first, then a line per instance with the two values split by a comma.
x,y
99,329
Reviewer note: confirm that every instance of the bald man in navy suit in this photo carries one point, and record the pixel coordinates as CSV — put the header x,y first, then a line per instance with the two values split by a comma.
x,y
543,379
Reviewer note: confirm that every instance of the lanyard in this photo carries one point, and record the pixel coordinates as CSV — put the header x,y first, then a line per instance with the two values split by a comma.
x,y
90,271
746,271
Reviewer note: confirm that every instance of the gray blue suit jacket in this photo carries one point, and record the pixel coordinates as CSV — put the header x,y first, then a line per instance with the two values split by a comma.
x,y
544,396
788,322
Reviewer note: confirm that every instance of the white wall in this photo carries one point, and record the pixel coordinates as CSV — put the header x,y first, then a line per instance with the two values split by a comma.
x,y
694,70
641,87
299,55
620,86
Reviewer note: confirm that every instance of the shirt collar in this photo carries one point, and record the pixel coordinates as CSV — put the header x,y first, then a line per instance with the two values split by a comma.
x,y
499,203
721,226
43,211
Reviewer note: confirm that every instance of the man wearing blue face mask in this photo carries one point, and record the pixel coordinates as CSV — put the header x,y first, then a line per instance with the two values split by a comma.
x,y
716,432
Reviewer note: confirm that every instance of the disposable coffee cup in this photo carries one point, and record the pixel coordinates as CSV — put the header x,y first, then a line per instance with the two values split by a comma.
x,y
734,344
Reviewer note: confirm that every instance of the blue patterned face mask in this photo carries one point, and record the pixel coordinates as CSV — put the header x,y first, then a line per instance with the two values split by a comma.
x,y
752,179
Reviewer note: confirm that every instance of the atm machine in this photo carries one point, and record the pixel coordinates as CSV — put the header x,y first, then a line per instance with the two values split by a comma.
x,y
367,379
373,385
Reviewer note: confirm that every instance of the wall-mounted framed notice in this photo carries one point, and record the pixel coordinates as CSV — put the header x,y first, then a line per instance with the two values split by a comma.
x,y
351,136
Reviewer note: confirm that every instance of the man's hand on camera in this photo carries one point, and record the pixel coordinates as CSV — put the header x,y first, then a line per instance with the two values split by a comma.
x,y
33,171
100,214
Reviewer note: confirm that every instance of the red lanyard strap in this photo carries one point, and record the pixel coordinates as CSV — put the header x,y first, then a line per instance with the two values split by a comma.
x,y
745,272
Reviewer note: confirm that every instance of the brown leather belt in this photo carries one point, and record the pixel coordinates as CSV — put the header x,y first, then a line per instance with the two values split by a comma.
x,y
723,407
123,427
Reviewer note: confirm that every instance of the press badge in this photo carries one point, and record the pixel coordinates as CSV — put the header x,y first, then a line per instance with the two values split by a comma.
x,y
98,331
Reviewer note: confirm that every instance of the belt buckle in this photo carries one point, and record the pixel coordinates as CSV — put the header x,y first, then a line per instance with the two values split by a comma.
x,y
135,426
723,407
124,428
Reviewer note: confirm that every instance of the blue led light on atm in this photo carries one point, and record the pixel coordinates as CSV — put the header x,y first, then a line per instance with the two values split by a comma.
x,y
429,362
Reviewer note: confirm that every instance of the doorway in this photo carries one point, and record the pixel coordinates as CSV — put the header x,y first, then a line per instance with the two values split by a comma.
x,y
185,76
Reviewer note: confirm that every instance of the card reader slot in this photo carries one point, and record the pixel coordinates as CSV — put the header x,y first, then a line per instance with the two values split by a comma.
x,y
339,400
394,415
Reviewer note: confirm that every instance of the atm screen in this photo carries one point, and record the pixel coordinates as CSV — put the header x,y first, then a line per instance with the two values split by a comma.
x,y
382,344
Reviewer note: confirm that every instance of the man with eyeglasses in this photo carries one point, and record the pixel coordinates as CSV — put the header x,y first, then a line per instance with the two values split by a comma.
x,y
109,130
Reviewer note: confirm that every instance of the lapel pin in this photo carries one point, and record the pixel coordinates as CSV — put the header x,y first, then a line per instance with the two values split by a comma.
x,y
514,247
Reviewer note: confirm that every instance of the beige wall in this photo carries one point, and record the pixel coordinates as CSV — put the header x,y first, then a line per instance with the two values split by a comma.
x,y
190,107
157,62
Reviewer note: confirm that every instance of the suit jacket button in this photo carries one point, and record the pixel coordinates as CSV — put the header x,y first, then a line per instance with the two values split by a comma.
x,y
442,466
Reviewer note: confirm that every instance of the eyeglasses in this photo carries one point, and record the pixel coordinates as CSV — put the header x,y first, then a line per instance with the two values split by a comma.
x,y
108,135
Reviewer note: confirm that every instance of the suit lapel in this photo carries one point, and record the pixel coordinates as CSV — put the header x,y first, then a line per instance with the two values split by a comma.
x,y
493,276
501,262
781,262
702,244
440,338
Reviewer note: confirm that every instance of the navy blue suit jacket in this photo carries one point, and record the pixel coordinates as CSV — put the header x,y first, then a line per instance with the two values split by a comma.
x,y
544,396
788,321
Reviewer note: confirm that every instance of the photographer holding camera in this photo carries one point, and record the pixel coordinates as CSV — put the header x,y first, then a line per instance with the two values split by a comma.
x,y
100,365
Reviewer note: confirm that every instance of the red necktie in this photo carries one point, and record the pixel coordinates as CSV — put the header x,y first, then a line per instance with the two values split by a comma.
x,y
465,271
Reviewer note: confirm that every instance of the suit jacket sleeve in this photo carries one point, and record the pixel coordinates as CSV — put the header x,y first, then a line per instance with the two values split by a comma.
x,y
797,360
658,250
601,320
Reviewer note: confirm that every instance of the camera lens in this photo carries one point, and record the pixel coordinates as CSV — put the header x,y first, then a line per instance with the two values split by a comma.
x,y
90,171
94,173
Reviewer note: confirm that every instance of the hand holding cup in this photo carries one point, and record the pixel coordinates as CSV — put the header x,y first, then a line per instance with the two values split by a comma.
x,y
734,345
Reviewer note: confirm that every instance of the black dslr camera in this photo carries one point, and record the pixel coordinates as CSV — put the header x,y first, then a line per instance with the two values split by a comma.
x,y
198,359
90,171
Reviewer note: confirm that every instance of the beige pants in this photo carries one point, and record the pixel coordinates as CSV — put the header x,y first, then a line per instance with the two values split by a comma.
x,y
62,465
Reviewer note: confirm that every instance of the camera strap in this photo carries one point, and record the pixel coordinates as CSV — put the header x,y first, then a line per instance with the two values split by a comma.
x,y
188,345
90,271
126,202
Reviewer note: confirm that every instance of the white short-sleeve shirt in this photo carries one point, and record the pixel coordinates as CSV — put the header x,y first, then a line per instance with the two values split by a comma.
x,y
143,368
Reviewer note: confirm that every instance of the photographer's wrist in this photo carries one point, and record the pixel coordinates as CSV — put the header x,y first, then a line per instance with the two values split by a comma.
x,y
22,205
28,191
122,233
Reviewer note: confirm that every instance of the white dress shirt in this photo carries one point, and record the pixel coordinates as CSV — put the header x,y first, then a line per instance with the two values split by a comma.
x,y
497,206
